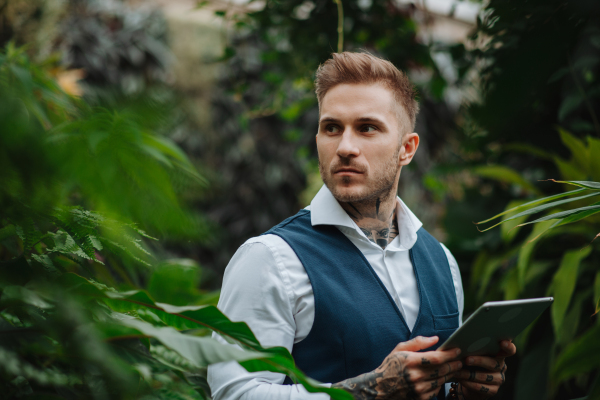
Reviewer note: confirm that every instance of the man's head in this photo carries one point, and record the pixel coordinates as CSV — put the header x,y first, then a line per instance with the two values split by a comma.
x,y
367,112
363,68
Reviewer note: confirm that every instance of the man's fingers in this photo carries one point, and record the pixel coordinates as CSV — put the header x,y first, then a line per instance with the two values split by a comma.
x,y
489,363
486,390
446,370
416,344
435,357
426,388
507,349
488,378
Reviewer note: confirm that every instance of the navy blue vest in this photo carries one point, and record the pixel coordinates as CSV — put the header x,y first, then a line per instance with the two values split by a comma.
x,y
357,323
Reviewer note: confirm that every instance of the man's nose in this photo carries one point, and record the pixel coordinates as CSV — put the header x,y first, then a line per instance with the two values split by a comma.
x,y
348,146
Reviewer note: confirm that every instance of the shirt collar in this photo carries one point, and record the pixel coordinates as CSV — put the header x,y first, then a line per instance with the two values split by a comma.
x,y
325,210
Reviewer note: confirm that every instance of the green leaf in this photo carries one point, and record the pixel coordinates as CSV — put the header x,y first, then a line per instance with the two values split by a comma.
x,y
175,282
579,216
20,294
534,202
568,329
200,351
524,258
564,283
594,148
569,169
522,215
597,292
46,262
509,230
581,154
278,359
505,174
579,357
532,376
563,214
583,184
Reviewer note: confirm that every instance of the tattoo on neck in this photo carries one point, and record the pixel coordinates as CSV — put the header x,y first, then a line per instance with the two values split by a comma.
x,y
380,232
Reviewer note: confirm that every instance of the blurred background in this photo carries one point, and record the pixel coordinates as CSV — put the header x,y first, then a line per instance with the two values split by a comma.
x,y
142,142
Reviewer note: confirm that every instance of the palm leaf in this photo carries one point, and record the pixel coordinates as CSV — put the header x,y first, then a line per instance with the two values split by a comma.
x,y
531,203
542,208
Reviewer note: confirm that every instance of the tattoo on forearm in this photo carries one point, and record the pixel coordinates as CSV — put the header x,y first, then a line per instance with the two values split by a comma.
x,y
382,382
363,387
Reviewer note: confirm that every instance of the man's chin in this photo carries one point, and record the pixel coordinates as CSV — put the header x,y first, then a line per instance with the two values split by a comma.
x,y
348,194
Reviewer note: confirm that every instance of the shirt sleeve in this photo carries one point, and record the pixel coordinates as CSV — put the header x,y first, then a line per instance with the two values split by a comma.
x,y
456,279
254,292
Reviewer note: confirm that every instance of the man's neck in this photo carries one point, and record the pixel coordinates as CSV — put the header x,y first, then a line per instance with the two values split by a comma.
x,y
376,218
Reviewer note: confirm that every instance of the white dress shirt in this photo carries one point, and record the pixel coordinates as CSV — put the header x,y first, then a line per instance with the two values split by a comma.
x,y
266,286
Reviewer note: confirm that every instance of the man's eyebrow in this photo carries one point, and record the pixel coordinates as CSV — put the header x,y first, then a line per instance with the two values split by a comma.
x,y
329,119
370,119
361,119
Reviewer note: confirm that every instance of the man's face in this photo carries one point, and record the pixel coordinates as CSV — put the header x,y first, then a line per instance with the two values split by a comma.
x,y
359,141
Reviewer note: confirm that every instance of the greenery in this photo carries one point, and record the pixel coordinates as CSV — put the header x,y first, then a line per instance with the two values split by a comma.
x,y
78,287
537,65
104,217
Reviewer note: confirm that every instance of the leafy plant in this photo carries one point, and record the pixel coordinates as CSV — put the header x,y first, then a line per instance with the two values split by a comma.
x,y
534,66
75,319
541,264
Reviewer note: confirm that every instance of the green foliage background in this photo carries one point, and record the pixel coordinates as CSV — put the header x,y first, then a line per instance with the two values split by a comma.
x,y
93,305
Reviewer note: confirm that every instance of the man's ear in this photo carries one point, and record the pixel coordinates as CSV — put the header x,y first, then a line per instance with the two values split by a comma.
x,y
410,143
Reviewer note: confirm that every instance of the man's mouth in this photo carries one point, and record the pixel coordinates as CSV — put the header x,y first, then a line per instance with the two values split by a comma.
x,y
349,171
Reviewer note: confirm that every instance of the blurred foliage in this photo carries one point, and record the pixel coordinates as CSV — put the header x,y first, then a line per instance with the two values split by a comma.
x,y
535,65
265,117
119,48
75,320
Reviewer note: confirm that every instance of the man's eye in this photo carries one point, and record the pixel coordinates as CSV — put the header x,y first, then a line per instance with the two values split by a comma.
x,y
332,128
369,128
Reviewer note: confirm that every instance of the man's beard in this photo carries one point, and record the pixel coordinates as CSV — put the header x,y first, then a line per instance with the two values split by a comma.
x,y
380,186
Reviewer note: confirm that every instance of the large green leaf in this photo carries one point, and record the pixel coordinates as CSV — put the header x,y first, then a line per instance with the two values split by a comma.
x,y
564,283
579,357
276,359
200,351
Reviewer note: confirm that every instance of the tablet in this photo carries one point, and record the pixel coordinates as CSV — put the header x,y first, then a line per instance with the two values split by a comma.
x,y
494,321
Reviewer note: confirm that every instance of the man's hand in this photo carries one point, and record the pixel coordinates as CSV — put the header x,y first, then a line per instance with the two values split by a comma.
x,y
406,374
486,375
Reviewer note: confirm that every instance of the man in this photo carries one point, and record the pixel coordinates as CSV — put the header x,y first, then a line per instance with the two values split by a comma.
x,y
353,285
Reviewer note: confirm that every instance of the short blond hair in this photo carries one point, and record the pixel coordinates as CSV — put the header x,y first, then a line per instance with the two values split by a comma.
x,y
357,68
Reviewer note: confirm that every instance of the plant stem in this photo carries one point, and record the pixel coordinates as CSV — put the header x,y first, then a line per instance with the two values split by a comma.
x,y
340,28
